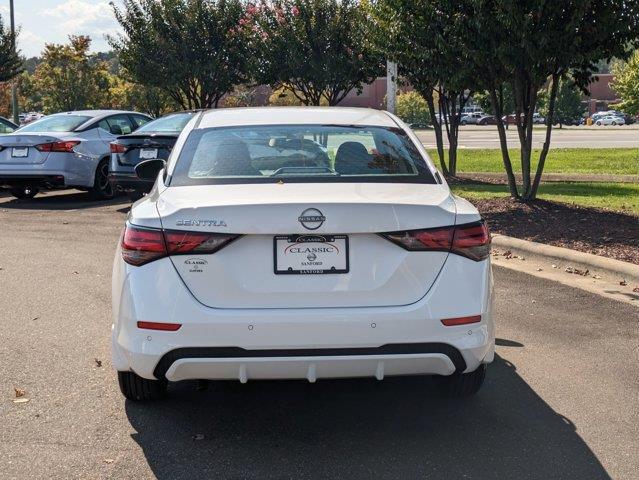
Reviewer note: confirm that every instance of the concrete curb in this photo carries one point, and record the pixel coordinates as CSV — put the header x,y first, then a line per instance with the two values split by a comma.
x,y
625,270
557,177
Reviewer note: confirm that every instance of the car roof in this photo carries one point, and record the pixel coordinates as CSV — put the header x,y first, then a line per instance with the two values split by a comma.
x,y
227,117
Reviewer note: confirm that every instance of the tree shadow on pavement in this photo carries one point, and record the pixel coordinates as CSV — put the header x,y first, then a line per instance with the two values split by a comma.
x,y
398,428
59,200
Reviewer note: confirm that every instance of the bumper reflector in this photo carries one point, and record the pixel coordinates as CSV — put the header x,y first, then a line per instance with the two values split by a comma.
x,y
168,327
450,322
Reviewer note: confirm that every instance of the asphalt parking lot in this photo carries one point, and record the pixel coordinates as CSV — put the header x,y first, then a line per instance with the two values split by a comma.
x,y
561,400
474,136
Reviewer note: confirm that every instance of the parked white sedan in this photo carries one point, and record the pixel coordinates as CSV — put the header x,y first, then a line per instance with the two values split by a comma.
x,y
300,243
610,120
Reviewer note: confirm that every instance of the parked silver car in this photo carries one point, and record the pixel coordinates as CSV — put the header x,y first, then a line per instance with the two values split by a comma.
x,y
69,149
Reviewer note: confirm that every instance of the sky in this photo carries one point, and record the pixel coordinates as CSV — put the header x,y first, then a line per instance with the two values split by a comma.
x,y
52,21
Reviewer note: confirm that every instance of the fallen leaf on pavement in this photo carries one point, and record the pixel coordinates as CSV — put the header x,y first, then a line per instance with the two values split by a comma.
x,y
98,363
19,392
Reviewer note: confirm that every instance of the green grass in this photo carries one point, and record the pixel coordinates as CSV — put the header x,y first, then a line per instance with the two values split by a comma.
x,y
623,161
622,197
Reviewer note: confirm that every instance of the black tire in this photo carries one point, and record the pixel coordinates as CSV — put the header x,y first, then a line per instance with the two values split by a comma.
x,y
463,385
102,188
137,388
24,192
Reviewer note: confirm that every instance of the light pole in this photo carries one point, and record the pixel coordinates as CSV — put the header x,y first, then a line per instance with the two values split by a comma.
x,y
14,87
391,86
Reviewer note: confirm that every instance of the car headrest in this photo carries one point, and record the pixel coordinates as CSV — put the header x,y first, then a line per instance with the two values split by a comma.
x,y
352,158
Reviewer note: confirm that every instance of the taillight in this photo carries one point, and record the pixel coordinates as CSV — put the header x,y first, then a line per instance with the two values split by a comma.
x,y
117,147
180,242
58,146
471,240
142,245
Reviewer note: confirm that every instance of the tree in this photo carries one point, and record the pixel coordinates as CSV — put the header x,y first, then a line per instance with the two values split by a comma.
x,y
568,106
524,44
626,84
68,79
10,61
418,35
125,95
194,50
314,49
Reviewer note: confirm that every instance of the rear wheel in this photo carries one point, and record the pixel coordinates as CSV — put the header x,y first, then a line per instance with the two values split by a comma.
x,y
24,192
102,189
135,387
463,385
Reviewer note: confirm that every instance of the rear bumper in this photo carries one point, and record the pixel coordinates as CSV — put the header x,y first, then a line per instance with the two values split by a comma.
x,y
241,364
311,343
129,182
77,170
48,181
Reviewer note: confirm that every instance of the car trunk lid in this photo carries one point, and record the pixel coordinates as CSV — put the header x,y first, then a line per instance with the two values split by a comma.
x,y
19,149
251,272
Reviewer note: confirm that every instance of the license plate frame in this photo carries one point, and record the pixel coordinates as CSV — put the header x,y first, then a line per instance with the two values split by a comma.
x,y
148,153
335,241
19,152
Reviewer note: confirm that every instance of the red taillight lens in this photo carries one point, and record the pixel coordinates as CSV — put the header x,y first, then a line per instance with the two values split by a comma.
x,y
143,245
117,147
179,242
471,240
167,327
450,322
58,146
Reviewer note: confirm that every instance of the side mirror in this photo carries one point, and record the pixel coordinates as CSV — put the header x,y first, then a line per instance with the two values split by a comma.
x,y
149,169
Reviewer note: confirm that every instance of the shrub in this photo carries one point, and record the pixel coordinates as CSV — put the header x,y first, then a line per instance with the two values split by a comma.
x,y
412,108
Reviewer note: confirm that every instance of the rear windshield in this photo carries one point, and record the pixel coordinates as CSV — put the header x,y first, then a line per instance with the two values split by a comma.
x,y
56,123
299,153
169,123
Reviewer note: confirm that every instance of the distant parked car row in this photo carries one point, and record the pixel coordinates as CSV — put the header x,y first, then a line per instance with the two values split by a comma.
x,y
68,149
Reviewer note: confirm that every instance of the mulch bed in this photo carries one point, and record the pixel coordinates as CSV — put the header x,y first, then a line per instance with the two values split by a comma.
x,y
591,230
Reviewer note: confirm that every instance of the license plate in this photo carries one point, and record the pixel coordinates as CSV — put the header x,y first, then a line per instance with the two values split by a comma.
x,y
20,152
148,153
310,254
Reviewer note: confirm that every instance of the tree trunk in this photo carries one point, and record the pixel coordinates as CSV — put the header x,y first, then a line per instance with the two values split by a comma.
x,y
503,142
546,146
439,140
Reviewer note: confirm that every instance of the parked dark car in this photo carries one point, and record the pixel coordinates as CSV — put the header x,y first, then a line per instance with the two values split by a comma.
x,y
153,140
487,120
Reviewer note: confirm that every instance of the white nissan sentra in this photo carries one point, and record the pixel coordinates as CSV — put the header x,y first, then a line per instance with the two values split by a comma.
x,y
300,243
